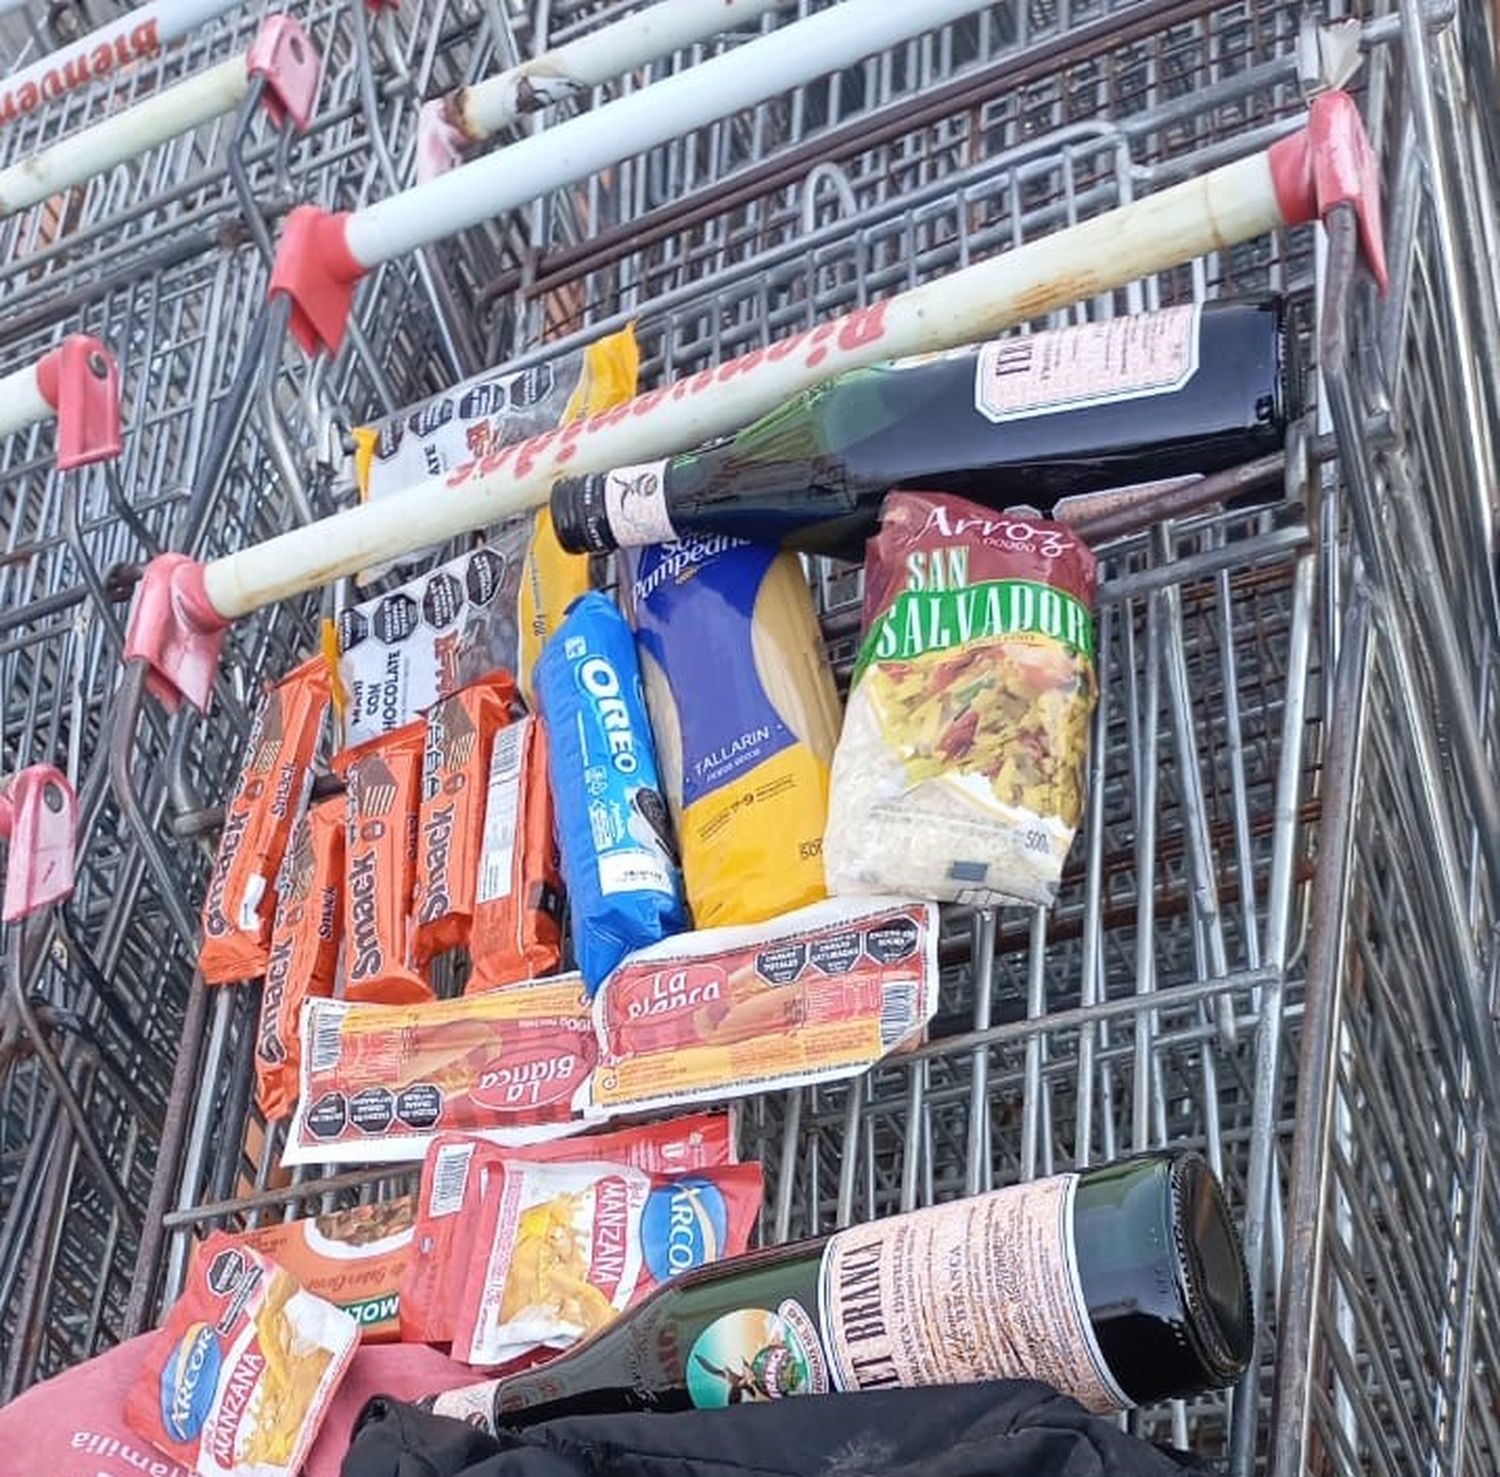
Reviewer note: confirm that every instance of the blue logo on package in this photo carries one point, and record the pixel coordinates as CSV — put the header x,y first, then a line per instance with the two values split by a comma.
x,y
685,1225
188,1382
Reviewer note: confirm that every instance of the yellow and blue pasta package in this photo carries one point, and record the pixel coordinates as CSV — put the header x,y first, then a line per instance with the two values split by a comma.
x,y
746,717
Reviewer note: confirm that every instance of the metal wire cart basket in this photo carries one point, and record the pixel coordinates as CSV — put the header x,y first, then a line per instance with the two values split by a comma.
x,y
1274,941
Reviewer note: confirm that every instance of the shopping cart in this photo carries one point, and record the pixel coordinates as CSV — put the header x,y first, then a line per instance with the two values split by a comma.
x,y
163,259
1274,940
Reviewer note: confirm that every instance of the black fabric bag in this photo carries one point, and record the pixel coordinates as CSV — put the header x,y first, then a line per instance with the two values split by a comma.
x,y
1012,1428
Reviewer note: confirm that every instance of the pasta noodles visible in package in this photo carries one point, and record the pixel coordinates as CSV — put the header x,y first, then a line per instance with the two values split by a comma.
x,y
384,781
560,1250
379,1082
304,948
456,1173
746,717
400,653
960,772
241,902
517,930
354,1259
613,828
450,822
242,1372
818,995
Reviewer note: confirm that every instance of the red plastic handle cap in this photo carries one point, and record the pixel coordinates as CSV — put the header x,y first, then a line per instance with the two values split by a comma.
x,y
287,59
39,813
315,268
1330,163
176,631
80,381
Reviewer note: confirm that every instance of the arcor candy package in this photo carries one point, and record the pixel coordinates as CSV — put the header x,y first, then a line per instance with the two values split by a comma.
x,y
960,772
456,1173
560,1250
243,1370
613,828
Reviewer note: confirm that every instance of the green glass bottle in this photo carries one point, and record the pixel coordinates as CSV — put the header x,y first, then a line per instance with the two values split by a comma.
x,y
1120,1285
1021,420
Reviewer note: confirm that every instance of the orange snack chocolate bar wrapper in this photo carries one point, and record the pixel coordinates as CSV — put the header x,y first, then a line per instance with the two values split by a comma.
x,y
450,822
354,1259
239,1377
517,928
384,779
241,902
456,1173
304,949
379,1082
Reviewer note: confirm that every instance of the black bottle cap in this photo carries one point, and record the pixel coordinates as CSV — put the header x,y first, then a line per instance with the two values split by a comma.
x,y
580,516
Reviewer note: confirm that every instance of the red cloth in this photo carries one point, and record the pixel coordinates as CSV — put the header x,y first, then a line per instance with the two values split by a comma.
x,y
74,1425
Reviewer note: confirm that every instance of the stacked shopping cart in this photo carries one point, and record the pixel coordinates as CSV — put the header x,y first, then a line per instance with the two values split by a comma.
x,y
1274,940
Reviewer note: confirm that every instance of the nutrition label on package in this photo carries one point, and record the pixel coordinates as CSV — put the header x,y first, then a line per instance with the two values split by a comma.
x,y
1091,364
985,1288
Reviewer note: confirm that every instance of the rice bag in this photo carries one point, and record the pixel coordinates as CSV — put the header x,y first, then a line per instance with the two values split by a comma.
x,y
614,832
960,772
450,823
456,1173
242,1372
304,948
517,929
560,1250
379,1082
241,902
384,786
745,716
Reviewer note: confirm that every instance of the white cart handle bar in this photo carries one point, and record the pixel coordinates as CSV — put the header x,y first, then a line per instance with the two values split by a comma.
x,y
135,36
282,55
183,607
448,126
78,383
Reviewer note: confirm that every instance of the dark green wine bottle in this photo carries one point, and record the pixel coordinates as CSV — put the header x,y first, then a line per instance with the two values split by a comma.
x,y
1020,420
1120,1285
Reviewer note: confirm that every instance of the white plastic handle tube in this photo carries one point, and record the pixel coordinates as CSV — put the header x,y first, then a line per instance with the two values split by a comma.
x,y
1209,213
22,403
138,34
124,135
485,108
787,57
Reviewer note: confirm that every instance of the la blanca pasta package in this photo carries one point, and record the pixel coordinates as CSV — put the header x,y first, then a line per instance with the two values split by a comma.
x,y
456,1175
961,769
817,995
746,716
560,1250
241,1374
380,1081
241,902
613,826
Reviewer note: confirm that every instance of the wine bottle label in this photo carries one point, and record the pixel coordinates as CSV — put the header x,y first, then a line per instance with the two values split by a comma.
x,y
472,1404
1088,365
754,1354
985,1288
635,502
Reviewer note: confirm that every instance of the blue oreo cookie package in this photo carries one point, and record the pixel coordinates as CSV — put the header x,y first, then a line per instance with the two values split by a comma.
x,y
614,833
